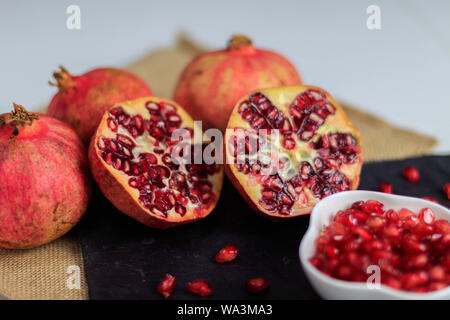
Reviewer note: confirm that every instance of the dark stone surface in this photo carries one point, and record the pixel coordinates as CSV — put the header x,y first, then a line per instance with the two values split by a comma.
x,y
125,260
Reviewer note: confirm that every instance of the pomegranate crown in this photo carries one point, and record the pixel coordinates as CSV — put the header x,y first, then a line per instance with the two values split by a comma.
x,y
238,41
19,116
63,79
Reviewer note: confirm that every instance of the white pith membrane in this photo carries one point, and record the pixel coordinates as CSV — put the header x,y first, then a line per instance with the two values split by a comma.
x,y
164,189
285,187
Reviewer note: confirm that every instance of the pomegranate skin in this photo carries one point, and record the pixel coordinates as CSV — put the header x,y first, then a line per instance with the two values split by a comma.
x,y
213,82
45,179
82,100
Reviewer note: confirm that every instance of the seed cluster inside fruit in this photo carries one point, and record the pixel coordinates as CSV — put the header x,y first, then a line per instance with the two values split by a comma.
x,y
140,146
305,157
411,250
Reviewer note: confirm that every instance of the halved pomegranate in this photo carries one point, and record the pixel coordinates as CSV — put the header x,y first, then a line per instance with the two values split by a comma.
x,y
286,148
131,159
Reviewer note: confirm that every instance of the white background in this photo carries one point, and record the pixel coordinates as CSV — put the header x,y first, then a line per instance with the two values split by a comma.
x,y
400,72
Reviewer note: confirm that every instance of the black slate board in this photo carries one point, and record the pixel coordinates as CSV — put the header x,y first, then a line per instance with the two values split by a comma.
x,y
125,260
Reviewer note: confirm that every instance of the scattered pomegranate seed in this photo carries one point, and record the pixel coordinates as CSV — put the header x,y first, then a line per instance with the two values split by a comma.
x,y
167,284
431,199
200,287
412,250
386,187
227,254
257,284
446,189
411,174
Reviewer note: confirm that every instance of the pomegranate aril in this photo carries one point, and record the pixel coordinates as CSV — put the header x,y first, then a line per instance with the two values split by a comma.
x,y
305,112
417,261
404,213
414,279
411,174
200,287
413,252
437,273
426,215
227,254
385,187
257,284
372,206
442,226
167,284
423,229
438,285
392,282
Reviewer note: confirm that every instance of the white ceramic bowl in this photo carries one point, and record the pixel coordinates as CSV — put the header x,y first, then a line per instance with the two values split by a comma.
x,y
330,288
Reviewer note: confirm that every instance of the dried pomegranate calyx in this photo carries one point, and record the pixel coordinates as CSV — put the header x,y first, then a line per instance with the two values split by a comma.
x,y
64,80
18,117
289,147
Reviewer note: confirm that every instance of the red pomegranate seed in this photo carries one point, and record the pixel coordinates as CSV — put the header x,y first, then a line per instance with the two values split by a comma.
x,y
417,261
442,226
437,273
411,174
257,284
167,284
426,215
415,279
372,206
200,287
227,254
446,189
385,187
431,199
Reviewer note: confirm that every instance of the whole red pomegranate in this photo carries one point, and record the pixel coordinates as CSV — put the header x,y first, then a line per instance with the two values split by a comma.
x,y
213,82
286,148
131,159
82,100
45,186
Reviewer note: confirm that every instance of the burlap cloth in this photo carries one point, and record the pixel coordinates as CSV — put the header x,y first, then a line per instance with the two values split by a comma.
x,y
41,273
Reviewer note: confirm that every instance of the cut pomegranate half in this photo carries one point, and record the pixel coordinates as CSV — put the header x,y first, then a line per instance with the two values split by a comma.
x,y
131,160
286,148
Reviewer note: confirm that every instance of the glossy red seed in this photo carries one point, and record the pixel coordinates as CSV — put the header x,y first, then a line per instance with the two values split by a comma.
x,y
437,273
167,284
385,187
411,174
375,222
392,282
431,199
403,213
372,206
227,254
438,285
417,261
446,189
442,226
200,287
414,279
257,284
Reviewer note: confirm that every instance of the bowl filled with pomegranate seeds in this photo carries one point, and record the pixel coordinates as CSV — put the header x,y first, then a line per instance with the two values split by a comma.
x,y
371,245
